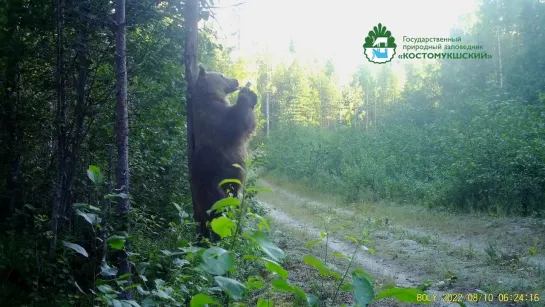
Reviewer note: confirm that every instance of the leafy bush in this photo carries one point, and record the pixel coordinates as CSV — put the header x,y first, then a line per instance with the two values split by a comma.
x,y
172,270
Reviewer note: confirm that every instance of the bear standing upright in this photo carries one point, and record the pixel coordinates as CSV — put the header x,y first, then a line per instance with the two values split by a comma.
x,y
221,133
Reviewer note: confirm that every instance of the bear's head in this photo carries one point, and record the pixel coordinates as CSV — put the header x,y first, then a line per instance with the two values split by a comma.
x,y
216,84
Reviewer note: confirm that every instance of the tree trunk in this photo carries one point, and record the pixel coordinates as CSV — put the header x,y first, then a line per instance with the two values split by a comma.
x,y
500,64
268,114
72,155
375,112
60,131
122,138
107,209
8,122
190,59
367,108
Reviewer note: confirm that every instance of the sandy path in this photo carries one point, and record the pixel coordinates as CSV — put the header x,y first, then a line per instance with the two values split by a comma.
x,y
475,243
371,263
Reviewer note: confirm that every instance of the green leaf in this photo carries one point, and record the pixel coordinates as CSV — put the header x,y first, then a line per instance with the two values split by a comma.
x,y
323,234
312,300
223,226
275,268
282,285
116,242
313,242
347,288
106,289
406,295
82,205
166,252
94,174
217,261
320,266
131,286
181,213
91,207
159,283
352,239
99,282
79,288
142,291
129,303
363,289
364,274
162,294
230,181
265,303
201,300
77,248
266,245
91,218
180,262
238,166
232,287
263,224
182,243
254,282
226,202
299,293
340,255
106,270
150,301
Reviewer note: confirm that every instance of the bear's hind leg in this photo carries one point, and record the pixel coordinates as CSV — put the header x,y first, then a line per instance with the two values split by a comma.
x,y
213,194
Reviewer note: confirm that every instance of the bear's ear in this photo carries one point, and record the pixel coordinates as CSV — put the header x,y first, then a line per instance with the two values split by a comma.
x,y
202,71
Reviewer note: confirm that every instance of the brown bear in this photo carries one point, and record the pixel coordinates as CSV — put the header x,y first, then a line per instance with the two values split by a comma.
x,y
221,132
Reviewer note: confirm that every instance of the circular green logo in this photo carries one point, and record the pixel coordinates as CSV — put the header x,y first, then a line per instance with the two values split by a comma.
x,y
380,46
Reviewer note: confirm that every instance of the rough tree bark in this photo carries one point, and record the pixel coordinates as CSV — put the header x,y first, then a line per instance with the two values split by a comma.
x,y
122,140
191,20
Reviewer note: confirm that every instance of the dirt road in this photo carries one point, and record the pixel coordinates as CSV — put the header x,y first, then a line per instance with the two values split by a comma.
x,y
409,253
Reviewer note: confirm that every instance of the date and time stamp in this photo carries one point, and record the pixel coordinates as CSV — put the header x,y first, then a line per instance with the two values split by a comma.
x,y
499,298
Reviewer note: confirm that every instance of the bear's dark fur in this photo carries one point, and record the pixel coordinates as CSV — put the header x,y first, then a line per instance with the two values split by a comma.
x,y
221,132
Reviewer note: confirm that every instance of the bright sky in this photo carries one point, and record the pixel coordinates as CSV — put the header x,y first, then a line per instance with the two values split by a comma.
x,y
334,29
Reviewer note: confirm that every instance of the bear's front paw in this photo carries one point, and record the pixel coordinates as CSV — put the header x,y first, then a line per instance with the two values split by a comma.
x,y
248,96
